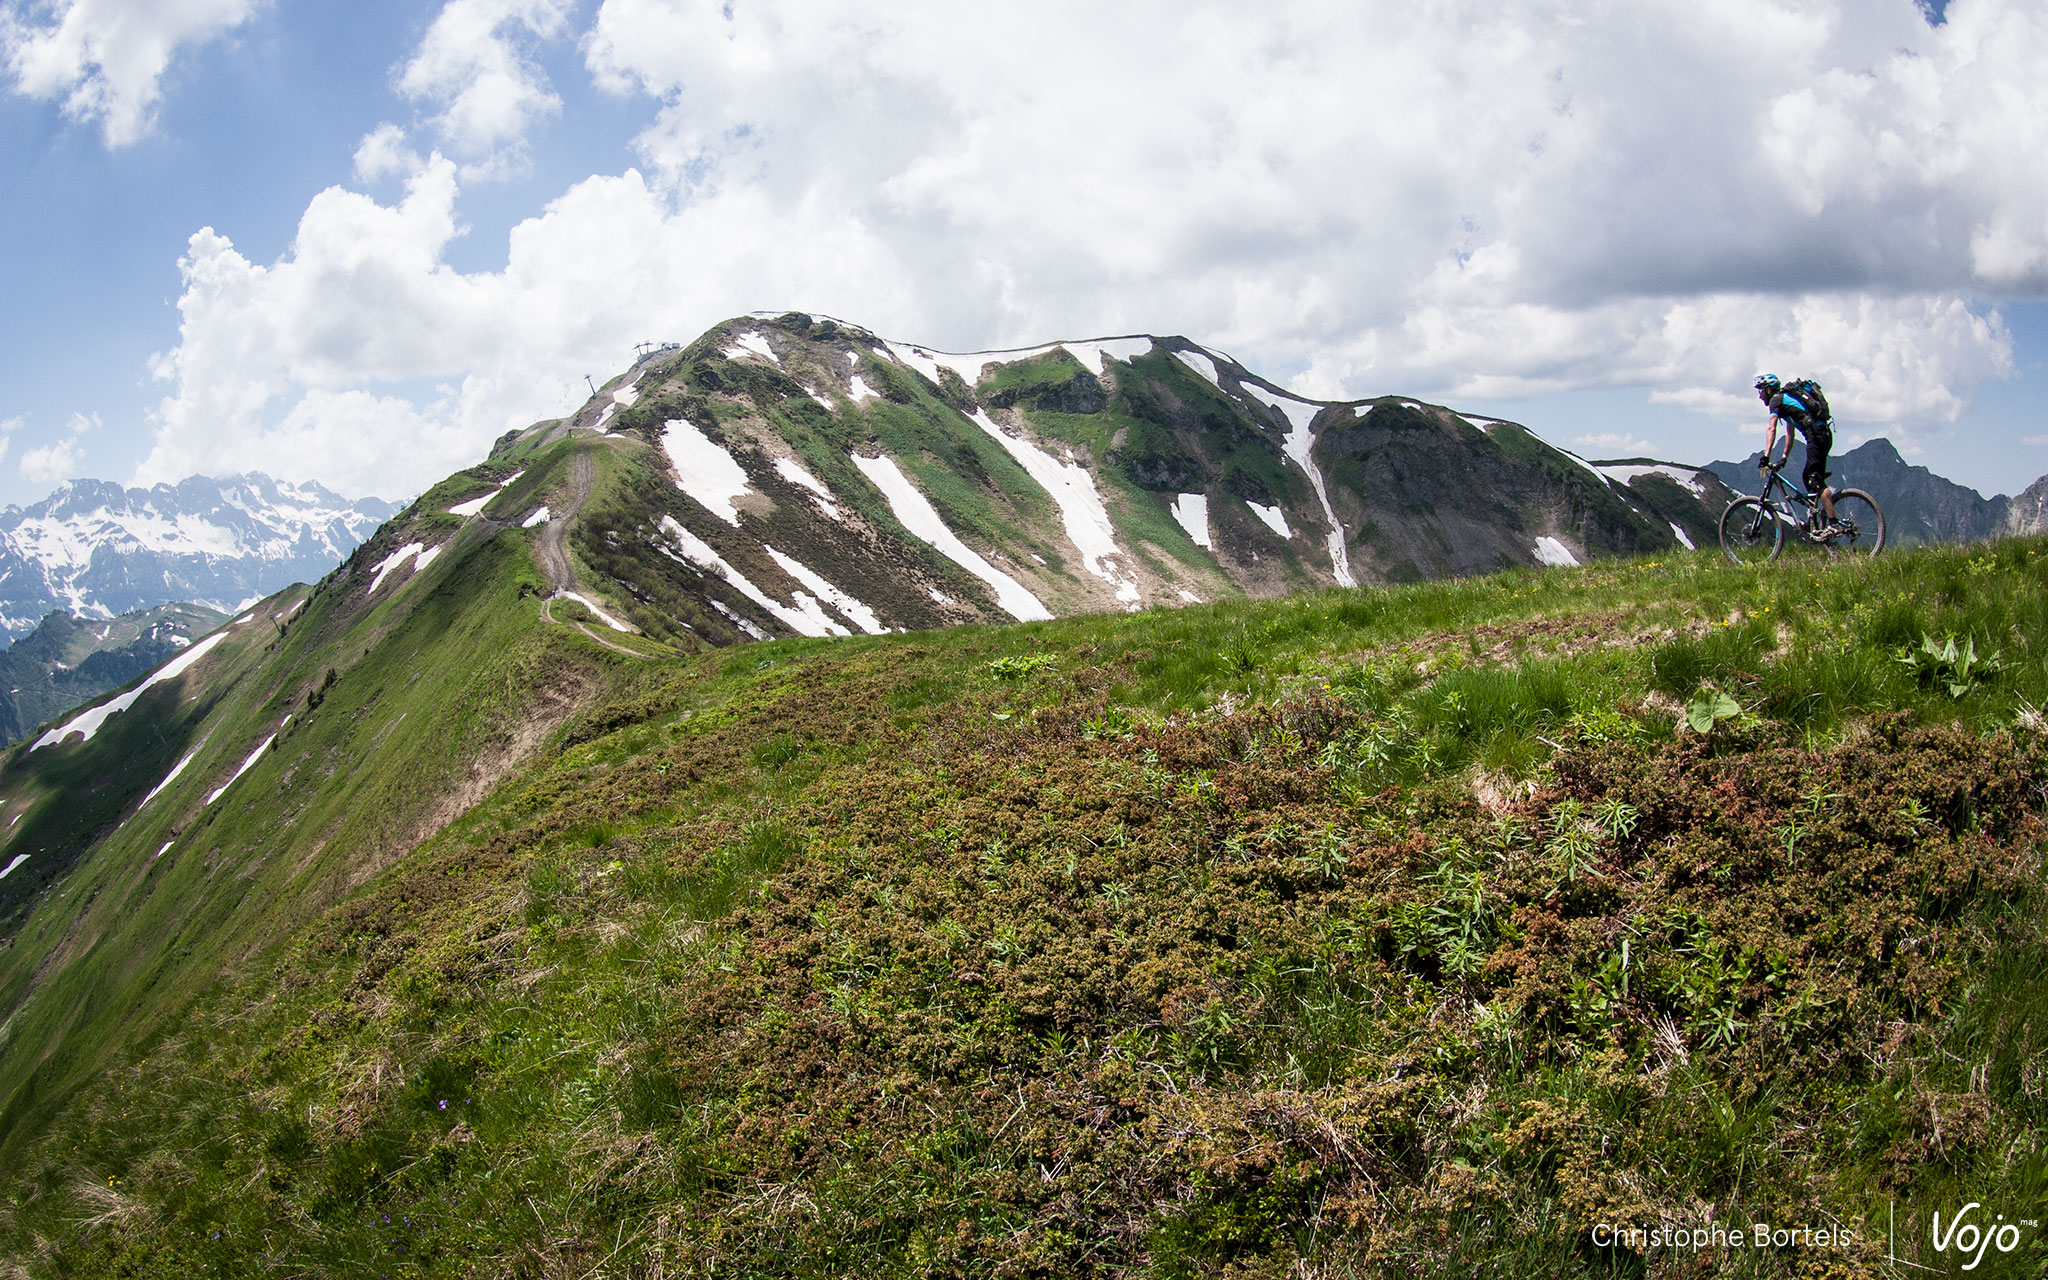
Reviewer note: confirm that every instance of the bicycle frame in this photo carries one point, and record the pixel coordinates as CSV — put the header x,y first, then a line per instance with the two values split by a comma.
x,y
1858,528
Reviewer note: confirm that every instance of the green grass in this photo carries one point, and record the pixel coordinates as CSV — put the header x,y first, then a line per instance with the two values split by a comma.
x,y
1358,933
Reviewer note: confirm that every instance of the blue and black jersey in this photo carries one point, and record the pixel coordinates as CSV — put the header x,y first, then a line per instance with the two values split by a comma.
x,y
1798,416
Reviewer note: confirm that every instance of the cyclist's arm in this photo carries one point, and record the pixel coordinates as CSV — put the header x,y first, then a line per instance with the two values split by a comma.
x,y
1771,438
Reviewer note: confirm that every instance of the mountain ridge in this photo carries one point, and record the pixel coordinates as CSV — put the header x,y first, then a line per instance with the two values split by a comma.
x,y
1142,470
97,549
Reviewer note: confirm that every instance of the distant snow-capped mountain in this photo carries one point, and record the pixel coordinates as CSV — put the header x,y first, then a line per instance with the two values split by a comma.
x,y
97,550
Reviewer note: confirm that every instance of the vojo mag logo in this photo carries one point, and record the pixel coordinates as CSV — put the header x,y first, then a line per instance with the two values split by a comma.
x,y
1967,1235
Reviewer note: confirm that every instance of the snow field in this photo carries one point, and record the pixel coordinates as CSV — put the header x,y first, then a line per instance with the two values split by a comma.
x,y
595,610
805,615
248,764
170,777
1192,511
915,513
1275,519
738,621
1300,441
751,344
392,561
863,617
537,518
1682,539
791,470
89,722
1095,356
1626,474
1081,510
1552,552
19,858
1201,364
704,470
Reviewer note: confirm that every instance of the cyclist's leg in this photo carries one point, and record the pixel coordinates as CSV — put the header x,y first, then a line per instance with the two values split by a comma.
x,y
1818,441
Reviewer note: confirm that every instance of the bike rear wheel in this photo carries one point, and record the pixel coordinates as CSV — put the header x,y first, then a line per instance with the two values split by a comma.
x,y
1863,520
1751,532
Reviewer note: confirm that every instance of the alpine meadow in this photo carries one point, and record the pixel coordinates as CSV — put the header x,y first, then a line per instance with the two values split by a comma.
x,y
833,807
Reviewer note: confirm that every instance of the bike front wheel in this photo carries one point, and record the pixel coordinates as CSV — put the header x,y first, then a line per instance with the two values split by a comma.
x,y
1862,524
1751,532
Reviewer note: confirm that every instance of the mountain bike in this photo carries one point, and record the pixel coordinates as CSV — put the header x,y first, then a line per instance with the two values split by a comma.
x,y
1754,530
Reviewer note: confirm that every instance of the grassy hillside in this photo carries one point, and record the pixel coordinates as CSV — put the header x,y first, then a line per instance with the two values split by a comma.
x,y
387,713
1389,932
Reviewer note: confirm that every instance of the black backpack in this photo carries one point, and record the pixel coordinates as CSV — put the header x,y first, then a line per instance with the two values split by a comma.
x,y
1808,393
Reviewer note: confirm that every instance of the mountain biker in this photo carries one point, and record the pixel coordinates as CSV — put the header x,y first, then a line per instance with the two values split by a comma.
x,y
1809,421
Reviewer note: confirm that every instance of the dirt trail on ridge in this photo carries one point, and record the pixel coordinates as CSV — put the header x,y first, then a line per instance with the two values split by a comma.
x,y
554,555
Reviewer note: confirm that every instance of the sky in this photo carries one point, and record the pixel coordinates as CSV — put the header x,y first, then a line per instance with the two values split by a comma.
x,y
356,243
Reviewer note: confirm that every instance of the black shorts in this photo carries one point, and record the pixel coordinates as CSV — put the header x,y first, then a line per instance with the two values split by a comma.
x,y
1818,441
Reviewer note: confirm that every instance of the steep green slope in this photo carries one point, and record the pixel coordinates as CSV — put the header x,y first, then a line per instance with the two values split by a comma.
x,y
1363,933
320,737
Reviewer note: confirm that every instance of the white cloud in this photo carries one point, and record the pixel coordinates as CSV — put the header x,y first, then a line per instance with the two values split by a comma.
x,y
8,426
489,91
1471,198
50,463
383,153
106,58
2042,439
1616,443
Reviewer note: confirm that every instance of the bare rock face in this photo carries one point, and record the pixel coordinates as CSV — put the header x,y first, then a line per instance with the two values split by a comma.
x,y
2028,513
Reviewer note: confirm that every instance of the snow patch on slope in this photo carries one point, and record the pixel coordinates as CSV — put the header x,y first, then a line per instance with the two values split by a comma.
x,y
538,517
704,470
1627,474
1552,552
19,858
804,614
915,513
791,470
751,343
1081,510
1300,441
170,777
595,611
1192,511
1201,364
1275,518
250,763
392,561
860,390
1095,356
1682,539
89,722
742,623
863,617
